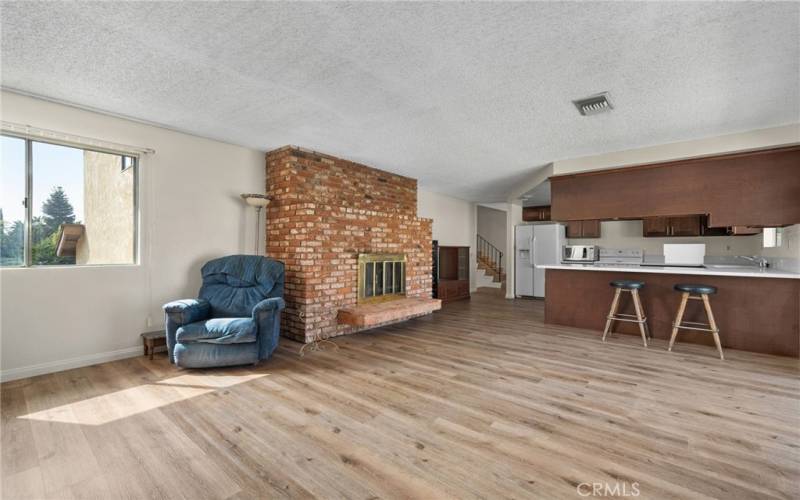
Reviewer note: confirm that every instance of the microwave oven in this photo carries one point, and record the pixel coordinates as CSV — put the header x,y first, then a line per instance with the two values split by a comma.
x,y
579,253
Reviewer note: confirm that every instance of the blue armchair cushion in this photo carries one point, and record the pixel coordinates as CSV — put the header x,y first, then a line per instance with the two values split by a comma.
x,y
234,285
218,331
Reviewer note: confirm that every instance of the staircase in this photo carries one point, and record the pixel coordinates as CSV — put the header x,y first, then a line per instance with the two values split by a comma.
x,y
490,262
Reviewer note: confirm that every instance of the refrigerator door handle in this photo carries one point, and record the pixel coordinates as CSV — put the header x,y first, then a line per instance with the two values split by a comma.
x,y
533,251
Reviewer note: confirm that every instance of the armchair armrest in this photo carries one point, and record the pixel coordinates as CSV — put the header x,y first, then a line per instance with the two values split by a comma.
x,y
267,315
186,311
267,306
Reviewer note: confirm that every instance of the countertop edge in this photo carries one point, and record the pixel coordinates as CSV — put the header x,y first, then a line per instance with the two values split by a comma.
x,y
675,270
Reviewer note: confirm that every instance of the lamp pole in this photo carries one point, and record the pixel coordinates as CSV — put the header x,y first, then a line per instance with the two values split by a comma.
x,y
258,226
259,201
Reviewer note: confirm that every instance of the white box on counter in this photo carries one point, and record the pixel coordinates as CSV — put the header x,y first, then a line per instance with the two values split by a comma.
x,y
687,254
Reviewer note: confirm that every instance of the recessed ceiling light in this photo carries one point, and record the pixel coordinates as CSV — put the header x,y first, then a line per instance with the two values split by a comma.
x,y
595,104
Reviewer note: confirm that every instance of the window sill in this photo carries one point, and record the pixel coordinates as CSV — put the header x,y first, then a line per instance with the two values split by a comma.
x,y
73,266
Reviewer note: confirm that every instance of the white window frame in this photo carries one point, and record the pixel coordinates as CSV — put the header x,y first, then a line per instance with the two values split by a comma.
x,y
28,200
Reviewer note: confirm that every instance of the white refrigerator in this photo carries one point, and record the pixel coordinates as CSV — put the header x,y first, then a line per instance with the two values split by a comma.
x,y
536,245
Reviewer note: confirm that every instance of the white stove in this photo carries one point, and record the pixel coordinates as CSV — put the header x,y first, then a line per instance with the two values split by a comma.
x,y
632,257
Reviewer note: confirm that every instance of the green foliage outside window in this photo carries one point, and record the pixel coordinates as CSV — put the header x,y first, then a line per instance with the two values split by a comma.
x,y
56,210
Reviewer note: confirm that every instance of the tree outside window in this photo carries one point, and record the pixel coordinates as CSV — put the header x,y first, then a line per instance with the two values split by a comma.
x,y
82,205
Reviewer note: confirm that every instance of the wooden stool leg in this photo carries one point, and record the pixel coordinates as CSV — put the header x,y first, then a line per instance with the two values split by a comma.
x,y
713,325
611,313
144,341
151,349
678,319
637,304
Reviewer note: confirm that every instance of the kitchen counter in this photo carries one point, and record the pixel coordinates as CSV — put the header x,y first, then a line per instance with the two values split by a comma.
x,y
755,310
709,270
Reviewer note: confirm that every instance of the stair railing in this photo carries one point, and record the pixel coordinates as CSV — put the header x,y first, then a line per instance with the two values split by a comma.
x,y
491,255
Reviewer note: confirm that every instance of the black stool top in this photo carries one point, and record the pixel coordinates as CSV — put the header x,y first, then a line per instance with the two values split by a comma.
x,y
695,288
627,284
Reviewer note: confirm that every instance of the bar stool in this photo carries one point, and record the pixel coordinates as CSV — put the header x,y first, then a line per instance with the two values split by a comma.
x,y
695,292
633,287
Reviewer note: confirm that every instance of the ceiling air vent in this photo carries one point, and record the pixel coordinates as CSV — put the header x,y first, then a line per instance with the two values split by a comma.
x,y
592,105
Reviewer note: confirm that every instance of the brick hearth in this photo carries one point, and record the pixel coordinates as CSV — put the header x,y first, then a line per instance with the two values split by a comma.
x,y
324,212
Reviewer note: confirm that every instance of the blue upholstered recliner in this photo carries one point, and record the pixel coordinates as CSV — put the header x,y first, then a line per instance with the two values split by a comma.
x,y
236,320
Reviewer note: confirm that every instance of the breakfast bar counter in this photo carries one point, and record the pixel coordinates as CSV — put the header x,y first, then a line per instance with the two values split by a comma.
x,y
756,310
708,270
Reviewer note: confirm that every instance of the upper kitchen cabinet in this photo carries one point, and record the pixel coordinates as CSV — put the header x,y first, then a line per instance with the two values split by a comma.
x,y
759,188
583,229
536,214
687,225
655,226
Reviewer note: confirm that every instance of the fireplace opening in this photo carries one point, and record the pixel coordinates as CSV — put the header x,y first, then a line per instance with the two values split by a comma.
x,y
381,276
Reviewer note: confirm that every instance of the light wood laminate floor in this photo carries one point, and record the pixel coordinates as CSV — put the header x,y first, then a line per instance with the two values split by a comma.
x,y
480,399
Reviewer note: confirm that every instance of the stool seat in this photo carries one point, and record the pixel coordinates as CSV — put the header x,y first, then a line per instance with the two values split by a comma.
x,y
627,284
696,288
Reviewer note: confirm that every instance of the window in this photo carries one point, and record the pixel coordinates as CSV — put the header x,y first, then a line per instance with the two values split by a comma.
x,y
773,237
64,205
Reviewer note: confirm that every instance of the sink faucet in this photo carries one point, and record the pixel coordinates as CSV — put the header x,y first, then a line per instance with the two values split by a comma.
x,y
761,261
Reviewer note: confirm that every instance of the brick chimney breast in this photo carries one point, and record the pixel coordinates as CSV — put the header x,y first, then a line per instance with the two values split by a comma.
x,y
325,211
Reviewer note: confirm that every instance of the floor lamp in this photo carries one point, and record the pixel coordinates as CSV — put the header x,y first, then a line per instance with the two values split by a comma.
x,y
259,201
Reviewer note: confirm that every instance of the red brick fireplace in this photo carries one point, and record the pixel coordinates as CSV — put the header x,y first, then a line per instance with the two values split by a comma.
x,y
324,213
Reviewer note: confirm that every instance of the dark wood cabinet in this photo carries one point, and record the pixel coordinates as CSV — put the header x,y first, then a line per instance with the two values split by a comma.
x,y
573,229
536,214
590,228
756,188
583,229
685,225
453,268
690,225
655,226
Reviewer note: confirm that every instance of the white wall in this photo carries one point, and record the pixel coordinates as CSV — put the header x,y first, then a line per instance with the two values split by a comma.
x,y
492,226
788,250
62,317
454,222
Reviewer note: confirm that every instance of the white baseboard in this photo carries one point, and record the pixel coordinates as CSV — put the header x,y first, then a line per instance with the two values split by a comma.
x,y
68,364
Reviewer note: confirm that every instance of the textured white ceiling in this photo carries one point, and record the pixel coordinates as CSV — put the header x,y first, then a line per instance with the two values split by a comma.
x,y
466,97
